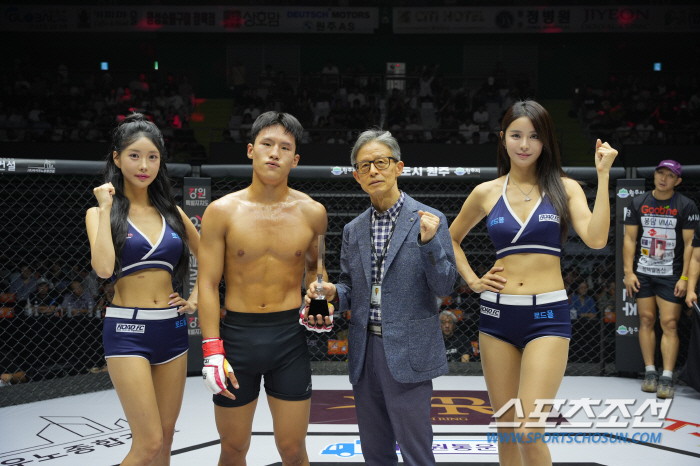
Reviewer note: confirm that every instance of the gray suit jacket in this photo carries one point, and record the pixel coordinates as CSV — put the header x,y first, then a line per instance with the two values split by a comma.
x,y
414,276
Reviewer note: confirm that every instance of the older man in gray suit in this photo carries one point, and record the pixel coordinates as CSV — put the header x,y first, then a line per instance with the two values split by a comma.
x,y
396,259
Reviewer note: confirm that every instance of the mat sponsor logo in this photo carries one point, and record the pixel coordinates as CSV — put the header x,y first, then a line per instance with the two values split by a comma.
x,y
131,328
549,218
489,311
447,407
677,425
455,446
66,436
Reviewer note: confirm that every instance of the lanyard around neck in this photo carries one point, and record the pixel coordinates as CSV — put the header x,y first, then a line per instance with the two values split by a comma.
x,y
380,258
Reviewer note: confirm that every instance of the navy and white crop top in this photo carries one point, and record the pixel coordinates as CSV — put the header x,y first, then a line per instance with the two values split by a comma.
x,y
139,253
541,232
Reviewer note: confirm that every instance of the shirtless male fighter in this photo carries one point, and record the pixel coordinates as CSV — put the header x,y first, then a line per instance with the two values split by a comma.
x,y
262,238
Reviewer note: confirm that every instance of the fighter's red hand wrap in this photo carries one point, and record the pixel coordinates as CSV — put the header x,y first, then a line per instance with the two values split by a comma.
x,y
216,367
213,346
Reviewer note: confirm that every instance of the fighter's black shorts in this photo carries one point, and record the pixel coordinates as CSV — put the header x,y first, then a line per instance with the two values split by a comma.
x,y
271,344
663,287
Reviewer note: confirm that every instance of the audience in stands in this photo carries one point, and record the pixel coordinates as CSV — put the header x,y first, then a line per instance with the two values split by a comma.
x,y
41,106
424,106
581,304
44,301
641,108
78,301
24,285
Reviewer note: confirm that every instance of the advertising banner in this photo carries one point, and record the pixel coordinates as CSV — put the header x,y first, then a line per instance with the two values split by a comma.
x,y
196,195
298,19
546,19
628,355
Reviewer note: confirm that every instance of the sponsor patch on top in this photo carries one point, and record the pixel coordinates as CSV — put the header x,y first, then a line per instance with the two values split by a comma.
x,y
549,218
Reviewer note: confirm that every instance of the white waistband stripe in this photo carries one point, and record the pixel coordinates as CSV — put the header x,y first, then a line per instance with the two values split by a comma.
x,y
141,314
524,299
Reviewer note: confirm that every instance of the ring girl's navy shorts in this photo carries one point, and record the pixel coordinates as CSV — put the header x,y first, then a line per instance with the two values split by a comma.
x,y
157,335
519,319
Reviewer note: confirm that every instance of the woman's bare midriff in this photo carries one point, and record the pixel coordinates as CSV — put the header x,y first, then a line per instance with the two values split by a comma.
x,y
530,273
147,288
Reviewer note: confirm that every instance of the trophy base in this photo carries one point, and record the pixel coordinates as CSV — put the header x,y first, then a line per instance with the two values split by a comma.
x,y
318,307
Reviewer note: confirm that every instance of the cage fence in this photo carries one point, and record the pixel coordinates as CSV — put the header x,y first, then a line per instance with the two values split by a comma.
x,y
52,303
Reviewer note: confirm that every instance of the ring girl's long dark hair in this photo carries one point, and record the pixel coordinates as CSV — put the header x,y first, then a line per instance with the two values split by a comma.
x,y
548,165
160,193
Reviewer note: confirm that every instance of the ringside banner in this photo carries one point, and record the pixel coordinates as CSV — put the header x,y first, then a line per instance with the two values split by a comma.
x,y
628,355
159,18
15,166
546,19
196,196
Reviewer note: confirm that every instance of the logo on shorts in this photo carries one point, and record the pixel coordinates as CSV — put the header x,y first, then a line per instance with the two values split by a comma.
x,y
549,218
489,311
131,328
544,315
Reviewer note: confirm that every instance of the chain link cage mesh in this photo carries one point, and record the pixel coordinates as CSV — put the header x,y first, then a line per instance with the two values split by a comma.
x,y
57,350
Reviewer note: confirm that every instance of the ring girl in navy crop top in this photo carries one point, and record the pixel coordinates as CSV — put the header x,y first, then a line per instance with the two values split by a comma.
x,y
140,253
524,324
142,241
540,233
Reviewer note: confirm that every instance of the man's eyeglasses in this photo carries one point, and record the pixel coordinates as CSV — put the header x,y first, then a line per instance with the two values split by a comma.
x,y
381,163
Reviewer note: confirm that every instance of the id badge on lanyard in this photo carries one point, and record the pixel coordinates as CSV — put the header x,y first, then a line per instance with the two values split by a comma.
x,y
376,298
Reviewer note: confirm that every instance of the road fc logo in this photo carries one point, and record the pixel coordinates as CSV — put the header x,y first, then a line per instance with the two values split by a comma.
x,y
131,328
549,218
489,311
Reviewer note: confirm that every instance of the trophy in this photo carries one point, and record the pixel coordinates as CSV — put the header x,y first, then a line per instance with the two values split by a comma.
x,y
319,305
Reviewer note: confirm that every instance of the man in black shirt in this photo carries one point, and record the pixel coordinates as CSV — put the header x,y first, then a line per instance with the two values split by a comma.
x,y
457,348
657,248
44,301
691,296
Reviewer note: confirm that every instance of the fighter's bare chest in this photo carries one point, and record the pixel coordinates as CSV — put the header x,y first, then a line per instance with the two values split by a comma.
x,y
277,232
